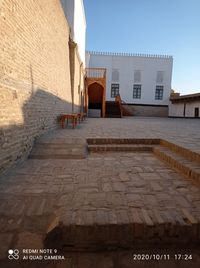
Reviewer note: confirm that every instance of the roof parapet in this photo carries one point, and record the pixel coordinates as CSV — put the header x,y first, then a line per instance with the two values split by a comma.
x,y
129,54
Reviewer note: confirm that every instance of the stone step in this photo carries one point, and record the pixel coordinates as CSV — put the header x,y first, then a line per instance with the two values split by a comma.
x,y
187,167
59,149
106,229
59,146
56,155
106,141
120,148
191,155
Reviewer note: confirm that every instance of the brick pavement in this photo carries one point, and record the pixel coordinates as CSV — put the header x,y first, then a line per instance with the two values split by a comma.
x,y
35,193
184,132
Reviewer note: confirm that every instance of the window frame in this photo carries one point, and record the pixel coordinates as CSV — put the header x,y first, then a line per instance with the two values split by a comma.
x,y
114,90
159,92
137,91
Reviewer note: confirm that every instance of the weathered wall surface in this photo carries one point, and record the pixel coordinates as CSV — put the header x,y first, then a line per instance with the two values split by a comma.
x,y
177,109
77,77
78,81
139,110
35,84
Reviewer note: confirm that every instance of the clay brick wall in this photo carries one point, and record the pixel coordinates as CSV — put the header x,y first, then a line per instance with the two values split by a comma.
x,y
78,81
35,82
77,77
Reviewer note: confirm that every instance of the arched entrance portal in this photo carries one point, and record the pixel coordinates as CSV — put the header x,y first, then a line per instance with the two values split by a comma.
x,y
95,99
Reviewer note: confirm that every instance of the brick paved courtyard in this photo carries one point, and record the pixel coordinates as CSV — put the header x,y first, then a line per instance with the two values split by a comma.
x,y
185,132
103,189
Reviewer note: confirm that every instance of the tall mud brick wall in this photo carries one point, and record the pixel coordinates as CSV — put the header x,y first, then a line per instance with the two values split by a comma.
x,y
35,82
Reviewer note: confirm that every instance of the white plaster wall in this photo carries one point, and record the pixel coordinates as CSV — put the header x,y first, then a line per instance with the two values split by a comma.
x,y
190,106
176,109
68,8
126,66
87,59
75,15
80,28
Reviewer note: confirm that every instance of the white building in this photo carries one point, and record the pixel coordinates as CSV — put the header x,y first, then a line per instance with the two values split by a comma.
x,y
75,15
185,106
143,81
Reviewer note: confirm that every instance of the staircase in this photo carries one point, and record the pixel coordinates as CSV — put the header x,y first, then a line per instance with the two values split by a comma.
x,y
113,109
121,145
126,111
59,148
182,160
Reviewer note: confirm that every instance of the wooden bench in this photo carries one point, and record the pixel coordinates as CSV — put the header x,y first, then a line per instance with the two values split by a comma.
x,y
75,118
72,117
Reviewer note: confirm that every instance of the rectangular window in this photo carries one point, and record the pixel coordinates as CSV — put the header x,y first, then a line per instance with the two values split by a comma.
x,y
160,77
137,76
159,92
137,91
114,90
115,75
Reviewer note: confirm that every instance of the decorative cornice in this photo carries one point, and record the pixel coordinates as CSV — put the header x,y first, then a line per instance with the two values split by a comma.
x,y
129,55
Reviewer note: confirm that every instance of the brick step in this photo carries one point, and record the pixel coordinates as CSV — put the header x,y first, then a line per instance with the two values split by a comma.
x,y
99,141
103,229
120,147
193,156
189,168
52,154
59,149
59,146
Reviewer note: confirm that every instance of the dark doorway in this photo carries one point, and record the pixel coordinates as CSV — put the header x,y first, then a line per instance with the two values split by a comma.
x,y
196,112
95,97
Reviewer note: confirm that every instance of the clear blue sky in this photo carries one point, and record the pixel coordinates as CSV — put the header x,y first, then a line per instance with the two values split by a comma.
x,y
150,26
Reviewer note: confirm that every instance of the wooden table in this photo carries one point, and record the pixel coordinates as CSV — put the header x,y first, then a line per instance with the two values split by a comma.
x,y
72,117
81,117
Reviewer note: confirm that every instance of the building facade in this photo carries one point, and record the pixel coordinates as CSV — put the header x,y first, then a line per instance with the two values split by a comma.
x,y
187,106
143,81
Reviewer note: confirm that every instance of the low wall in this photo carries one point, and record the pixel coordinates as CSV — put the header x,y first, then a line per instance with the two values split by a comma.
x,y
147,110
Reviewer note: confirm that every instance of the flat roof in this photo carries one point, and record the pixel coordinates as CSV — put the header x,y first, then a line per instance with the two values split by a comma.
x,y
188,97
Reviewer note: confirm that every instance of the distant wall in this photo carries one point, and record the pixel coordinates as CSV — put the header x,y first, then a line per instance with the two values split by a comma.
x,y
125,66
153,111
35,85
177,109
